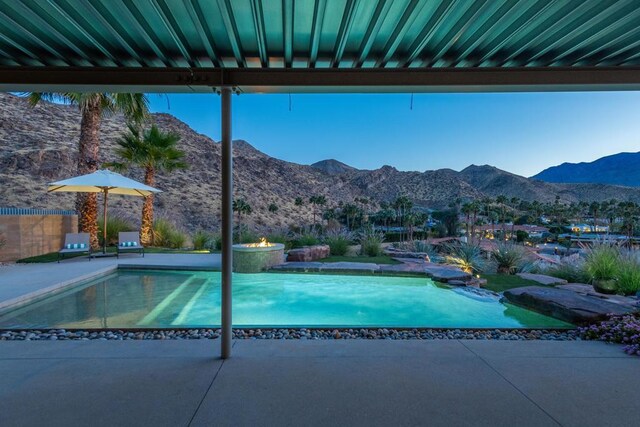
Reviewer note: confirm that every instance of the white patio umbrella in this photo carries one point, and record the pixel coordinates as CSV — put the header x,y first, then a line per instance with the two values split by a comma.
x,y
105,182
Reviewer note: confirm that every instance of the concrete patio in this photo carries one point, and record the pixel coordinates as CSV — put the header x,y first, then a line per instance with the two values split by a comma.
x,y
448,383
22,282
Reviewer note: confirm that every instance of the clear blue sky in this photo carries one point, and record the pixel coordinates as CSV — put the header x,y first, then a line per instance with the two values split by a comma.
x,y
519,132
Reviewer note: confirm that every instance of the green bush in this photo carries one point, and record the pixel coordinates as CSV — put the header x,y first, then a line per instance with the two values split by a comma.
x,y
371,242
115,225
466,256
571,270
338,242
167,235
305,237
204,240
628,275
510,258
247,236
280,236
602,262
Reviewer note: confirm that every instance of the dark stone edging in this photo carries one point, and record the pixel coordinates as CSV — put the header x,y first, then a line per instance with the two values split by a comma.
x,y
294,333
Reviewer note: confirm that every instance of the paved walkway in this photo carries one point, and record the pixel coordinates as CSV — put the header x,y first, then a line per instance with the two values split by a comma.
x,y
323,383
20,282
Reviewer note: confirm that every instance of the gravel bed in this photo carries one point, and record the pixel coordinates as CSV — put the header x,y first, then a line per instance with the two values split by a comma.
x,y
301,333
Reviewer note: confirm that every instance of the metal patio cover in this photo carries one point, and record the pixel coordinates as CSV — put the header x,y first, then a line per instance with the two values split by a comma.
x,y
309,45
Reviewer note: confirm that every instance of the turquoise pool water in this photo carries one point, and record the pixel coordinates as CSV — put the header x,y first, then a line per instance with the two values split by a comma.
x,y
161,299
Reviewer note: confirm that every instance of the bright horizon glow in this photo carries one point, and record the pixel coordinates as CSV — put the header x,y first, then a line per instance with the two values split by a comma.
x,y
522,133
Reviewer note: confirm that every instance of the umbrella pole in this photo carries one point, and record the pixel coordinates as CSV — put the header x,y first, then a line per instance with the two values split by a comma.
x,y
104,222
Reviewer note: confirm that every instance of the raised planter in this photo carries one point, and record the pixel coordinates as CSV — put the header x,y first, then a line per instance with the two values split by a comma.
x,y
308,253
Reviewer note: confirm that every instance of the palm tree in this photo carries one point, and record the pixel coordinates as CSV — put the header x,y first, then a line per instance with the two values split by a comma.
x,y
299,202
350,210
273,208
241,207
316,201
467,209
154,151
594,209
502,201
92,107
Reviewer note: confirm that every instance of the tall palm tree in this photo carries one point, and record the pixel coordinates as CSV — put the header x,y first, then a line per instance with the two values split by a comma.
x,y
315,201
241,207
299,202
502,201
467,209
154,151
93,106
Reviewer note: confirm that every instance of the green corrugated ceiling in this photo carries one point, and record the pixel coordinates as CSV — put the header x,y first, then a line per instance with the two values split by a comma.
x,y
320,33
320,45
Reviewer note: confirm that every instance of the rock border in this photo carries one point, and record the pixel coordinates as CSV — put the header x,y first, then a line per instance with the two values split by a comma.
x,y
294,333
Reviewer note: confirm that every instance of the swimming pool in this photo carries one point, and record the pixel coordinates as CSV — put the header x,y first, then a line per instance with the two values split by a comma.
x,y
172,299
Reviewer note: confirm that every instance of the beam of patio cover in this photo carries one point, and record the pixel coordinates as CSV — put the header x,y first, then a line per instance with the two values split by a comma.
x,y
227,224
133,79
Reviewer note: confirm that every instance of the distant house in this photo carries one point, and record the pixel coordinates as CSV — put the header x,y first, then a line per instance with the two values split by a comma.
x,y
589,228
487,230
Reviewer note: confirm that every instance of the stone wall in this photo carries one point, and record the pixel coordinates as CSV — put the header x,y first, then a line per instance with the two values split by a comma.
x,y
30,235
308,253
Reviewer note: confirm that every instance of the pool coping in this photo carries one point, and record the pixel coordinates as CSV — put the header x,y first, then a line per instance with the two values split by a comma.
x,y
55,288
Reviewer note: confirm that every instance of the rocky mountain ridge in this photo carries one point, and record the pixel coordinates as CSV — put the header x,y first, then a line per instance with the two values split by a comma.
x,y
38,145
618,169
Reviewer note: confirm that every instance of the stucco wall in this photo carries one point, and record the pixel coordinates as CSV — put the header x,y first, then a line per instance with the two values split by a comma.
x,y
31,235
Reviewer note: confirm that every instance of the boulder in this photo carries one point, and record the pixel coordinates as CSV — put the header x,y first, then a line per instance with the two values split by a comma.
x,y
444,274
564,304
542,279
582,288
308,253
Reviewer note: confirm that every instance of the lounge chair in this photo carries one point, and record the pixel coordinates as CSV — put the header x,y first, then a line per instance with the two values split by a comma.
x,y
129,241
75,243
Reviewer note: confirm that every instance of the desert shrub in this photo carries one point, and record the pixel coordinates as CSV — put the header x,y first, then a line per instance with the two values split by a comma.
x,y
602,262
115,224
617,329
572,269
280,236
204,240
371,242
338,241
247,235
466,256
628,275
167,235
305,237
510,258
418,246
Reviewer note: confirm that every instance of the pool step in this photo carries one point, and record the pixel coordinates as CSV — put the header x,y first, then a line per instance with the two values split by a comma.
x,y
183,316
165,312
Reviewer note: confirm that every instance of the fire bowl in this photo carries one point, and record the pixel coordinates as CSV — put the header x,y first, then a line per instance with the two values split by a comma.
x,y
254,257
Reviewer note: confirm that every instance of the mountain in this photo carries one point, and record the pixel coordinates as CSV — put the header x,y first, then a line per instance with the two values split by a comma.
x,y
618,169
38,145
494,182
333,167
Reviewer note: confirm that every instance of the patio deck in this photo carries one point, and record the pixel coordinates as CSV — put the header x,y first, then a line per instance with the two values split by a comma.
x,y
448,383
22,282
